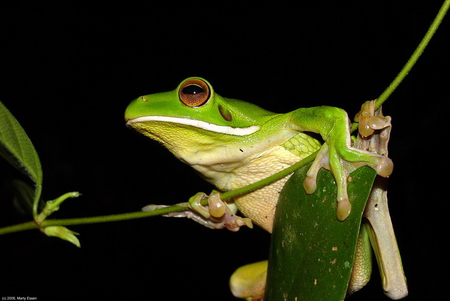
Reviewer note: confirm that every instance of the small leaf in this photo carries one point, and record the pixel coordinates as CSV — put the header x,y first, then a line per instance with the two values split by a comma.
x,y
312,252
63,233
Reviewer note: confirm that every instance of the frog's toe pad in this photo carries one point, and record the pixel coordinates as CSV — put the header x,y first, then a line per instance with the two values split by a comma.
x,y
234,222
343,209
384,167
310,184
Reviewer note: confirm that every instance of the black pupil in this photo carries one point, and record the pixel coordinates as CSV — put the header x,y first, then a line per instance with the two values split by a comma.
x,y
192,90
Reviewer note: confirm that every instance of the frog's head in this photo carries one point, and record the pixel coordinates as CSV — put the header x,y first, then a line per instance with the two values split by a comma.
x,y
193,116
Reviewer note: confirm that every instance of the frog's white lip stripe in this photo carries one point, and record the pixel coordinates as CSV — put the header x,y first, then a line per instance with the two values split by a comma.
x,y
199,124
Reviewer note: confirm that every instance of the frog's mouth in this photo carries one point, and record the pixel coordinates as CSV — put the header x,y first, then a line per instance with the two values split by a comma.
x,y
211,127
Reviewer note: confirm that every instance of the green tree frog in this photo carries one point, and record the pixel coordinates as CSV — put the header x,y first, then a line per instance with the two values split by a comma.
x,y
232,143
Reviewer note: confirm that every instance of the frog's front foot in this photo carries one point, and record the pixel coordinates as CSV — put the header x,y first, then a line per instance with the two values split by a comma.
x,y
338,156
216,215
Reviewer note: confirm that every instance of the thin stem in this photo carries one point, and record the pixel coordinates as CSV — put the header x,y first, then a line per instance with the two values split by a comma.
x,y
415,56
412,60
89,220
111,218
37,196
19,227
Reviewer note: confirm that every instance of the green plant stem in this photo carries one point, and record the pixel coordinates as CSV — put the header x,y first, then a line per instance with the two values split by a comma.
x,y
412,60
416,54
37,196
19,227
111,218
89,220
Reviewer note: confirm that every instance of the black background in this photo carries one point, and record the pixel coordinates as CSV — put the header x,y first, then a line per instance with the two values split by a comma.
x,y
68,71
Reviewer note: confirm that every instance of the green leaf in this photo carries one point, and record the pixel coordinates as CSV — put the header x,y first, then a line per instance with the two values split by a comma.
x,y
312,253
63,233
17,149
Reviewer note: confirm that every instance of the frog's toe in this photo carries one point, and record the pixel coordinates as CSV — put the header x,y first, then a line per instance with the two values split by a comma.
x,y
343,209
152,207
195,204
321,161
216,206
384,167
234,222
310,184
381,164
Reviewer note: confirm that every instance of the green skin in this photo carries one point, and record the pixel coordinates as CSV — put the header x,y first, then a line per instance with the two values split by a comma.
x,y
230,142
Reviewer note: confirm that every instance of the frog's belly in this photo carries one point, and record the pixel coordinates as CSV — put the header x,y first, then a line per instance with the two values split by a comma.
x,y
260,204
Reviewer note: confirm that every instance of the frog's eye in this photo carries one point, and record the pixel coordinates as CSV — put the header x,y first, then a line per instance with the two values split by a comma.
x,y
194,92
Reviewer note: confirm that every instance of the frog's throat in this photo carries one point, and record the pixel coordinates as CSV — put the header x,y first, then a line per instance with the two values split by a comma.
x,y
228,130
